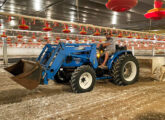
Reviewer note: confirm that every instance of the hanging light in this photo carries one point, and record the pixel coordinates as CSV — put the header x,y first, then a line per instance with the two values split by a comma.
x,y
97,33
157,12
121,5
23,25
66,30
47,28
83,32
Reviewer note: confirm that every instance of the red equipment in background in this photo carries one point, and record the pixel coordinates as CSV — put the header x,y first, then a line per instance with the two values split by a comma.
x,y
121,5
157,12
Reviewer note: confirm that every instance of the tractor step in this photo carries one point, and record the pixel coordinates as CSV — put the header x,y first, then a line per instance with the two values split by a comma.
x,y
104,68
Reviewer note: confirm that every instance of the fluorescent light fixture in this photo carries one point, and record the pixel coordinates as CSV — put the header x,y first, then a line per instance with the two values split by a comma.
x,y
37,5
12,23
72,18
114,18
12,7
34,40
49,14
72,30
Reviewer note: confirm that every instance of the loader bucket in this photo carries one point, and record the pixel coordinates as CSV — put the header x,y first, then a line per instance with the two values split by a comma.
x,y
26,73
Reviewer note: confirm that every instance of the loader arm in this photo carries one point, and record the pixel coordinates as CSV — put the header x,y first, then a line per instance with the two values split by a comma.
x,y
58,57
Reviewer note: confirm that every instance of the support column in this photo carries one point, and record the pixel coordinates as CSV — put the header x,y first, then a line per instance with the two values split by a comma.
x,y
153,51
133,50
5,59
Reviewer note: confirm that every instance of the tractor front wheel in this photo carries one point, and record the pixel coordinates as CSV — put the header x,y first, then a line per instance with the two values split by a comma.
x,y
125,70
83,79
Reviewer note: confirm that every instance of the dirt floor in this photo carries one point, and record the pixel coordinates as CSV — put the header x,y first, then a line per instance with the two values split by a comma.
x,y
144,100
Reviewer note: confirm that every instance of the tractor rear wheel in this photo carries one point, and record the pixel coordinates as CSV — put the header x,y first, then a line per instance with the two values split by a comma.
x,y
83,79
125,70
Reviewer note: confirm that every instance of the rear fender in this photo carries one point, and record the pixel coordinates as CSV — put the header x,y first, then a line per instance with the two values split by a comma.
x,y
113,58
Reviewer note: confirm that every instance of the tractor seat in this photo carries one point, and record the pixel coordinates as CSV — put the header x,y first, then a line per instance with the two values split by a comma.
x,y
119,48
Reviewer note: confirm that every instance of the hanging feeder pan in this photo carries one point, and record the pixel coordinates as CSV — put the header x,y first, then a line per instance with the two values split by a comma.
x,y
4,35
93,40
83,32
85,40
47,29
66,31
57,38
67,38
155,14
97,33
33,37
152,38
130,36
8,39
19,36
24,27
46,38
146,38
120,35
121,5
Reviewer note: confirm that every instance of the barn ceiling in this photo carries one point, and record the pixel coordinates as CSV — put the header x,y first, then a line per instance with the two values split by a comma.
x,y
84,11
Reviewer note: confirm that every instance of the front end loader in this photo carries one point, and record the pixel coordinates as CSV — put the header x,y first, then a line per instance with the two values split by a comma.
x,y
77,64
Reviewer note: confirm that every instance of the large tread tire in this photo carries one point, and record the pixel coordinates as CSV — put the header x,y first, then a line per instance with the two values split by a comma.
x,y
75,79
117,73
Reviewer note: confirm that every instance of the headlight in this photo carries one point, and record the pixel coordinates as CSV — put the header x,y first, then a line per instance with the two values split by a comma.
x,y
98,55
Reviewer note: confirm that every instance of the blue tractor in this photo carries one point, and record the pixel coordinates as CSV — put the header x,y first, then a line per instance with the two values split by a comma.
x,y
76,64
